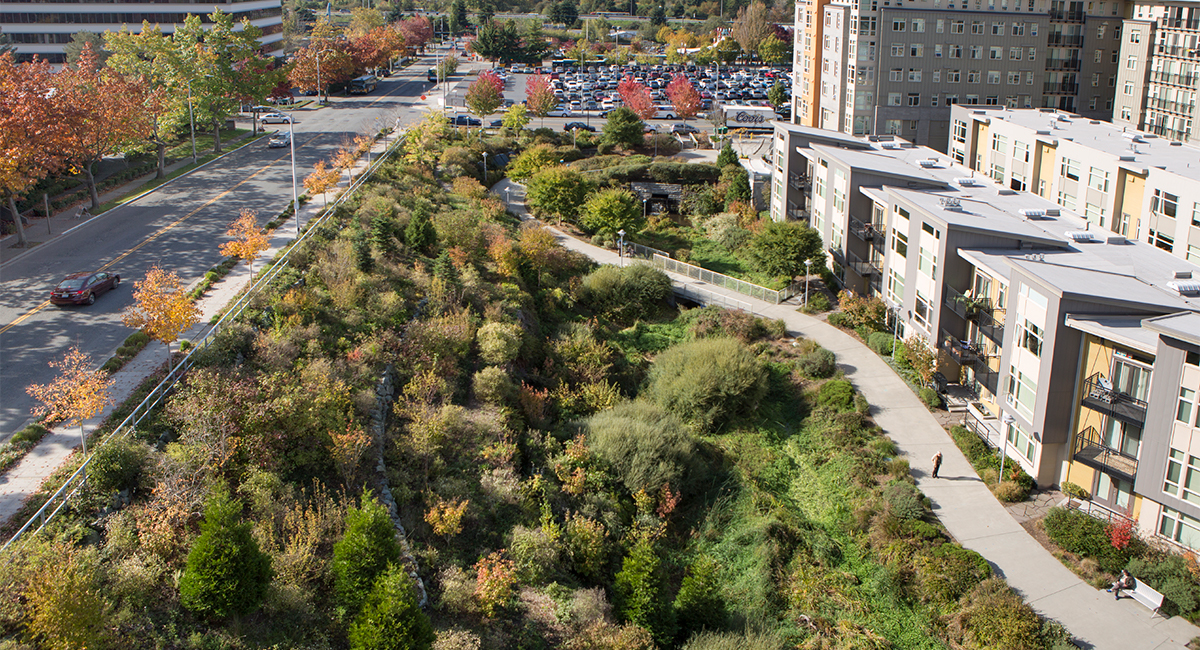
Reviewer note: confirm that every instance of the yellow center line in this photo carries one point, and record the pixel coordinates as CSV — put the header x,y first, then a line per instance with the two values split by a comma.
x,y
160,232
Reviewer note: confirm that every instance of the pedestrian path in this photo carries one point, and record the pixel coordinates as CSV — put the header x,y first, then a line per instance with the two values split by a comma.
x,y
26,477
960,500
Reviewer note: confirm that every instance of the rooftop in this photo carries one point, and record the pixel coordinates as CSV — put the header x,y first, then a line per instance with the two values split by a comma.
x,y
1184,326
1136,150
1125,330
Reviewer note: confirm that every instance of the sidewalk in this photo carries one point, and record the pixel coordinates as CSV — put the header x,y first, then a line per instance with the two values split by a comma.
x,y
961,501
26,477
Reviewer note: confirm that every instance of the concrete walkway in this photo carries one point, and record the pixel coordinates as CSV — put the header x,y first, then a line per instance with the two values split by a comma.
x,y
26,477
960,499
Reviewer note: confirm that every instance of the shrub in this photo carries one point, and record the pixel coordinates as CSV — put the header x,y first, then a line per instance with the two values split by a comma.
x,y
1010,492
66,604
836,395
499,343
930,397
903,501
496,577
390,618
534,553
1072,490
838,319
30,434
117,465
588,546
817,303
780,248
639,587
708,381
948,572
818,364
1172,577
609,210
699,605
647,446
493,386
364,552
226,573
627,293
881,343
727,156
972,446
993,616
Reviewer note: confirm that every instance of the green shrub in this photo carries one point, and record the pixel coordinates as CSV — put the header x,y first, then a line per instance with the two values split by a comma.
x,y
390,618
818,364
647,446
117,465
836,395
699,605
1010,492
364,552
817,303
708,381
993,616
948,572
493,386
534,554
1072,490
838,319
903,501
881,343
226,573
1169,574
30,434
629,293
137,339
930,397
640,588
971,445
763,640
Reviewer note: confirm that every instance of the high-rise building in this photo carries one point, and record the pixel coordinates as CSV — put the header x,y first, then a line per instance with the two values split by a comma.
x,y
883,67
43,29
806,68
1156,86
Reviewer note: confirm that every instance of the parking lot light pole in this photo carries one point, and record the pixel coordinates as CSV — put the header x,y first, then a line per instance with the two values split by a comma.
x,y
295,198
485,179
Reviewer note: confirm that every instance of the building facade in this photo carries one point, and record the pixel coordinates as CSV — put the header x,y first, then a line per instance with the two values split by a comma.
x,y
1082,345
43,29
806,69
887,68
1156,88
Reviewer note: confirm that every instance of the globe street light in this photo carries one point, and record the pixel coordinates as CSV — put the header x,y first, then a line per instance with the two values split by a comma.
x,y
621,246
807,271
485,169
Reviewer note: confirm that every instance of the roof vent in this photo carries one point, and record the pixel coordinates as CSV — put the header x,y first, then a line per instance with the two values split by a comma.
x,y
1043,133
1185,286
1183,275
1081,236
966,181
932,162
1176,144
1053,212
1032,213
1063,118
950,203
1133,136
1127,158
1094,122
1116,239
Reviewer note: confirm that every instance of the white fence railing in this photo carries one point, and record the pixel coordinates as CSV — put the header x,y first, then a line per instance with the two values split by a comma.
x,y
61,497
706,297
725,281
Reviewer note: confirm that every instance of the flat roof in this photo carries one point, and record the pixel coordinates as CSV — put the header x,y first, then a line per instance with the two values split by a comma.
x,y
1184,326
824,135
877,160
1149,150
1125,330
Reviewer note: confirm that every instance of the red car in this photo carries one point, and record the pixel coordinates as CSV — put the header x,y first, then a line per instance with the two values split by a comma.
x,y
82,288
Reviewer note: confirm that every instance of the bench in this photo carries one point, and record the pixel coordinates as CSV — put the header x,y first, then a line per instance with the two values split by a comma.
x,y
1146,595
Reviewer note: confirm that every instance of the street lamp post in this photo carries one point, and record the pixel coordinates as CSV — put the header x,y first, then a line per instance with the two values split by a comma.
x,y
807,272
507,197
485,179
621,246
295,197
1008,421
192,122
644,207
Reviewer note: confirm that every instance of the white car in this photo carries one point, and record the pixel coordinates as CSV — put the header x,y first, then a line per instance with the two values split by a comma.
x,y
275,118
560,112
280,139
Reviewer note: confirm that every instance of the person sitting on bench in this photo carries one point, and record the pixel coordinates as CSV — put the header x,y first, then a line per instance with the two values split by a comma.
x,y
1125,581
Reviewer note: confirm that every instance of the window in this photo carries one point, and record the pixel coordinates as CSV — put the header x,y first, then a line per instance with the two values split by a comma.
x,y
941,25
1031,52
937,76
914,99
998,29
892,127
997,172
921,310
893,99
953,76
1180,528
976,26
1029,336
1135,36
1115,54
897,49
1018,29
1070,168
1095,80
927,262
895,287
992,100
1028,82
917,49
933,101
972,99
1131,62
898,24
1020,441
960,131
1098,179
1195,214
999,143
897,74
899,243
993,77
1022,392
972,76
1164,203
956,26
1100,29
1014,78
955,51
1187,403
976,51
937,51
951,100
1162,240
918,25
996,53
1129,89
1098,56
1014,53
1020,151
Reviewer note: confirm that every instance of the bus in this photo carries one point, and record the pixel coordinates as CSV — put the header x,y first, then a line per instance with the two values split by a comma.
x,y
363,85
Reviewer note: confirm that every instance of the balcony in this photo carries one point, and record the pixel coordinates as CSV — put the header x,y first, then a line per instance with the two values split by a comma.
x,y
862,267
1090,450
1066,16
1065,40
838,256
1100,395
1060,88
1177,50
799,181
866,231
964,353
797,214
1062,64
1188,80
1174,107
1178,23
985,375
979,310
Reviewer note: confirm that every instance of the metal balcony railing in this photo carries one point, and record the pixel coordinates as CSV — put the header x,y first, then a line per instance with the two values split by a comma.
x,y
1068,40
866,231
1174,107
1090,449
1062,64
864,268
1066,16
964,353
1178,23
984,374
979,310
1100,395
1177,50
1188,80
1060,88
799,181
799,215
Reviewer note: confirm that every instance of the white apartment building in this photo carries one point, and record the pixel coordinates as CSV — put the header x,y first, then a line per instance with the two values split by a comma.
x,y
1156,88
42,29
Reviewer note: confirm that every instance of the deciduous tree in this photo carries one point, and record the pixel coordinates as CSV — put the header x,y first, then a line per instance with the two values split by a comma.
x,y
321,180
314,67
637,98
684,97
79,392
539,96
515,118
417,31
777,95
608,211
752,25
485,94
780,248
150,56
772,50
248,238
624,127
495,582
161,308
557,192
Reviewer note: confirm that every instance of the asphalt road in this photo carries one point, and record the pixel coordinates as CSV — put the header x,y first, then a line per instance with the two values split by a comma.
x,y
178,226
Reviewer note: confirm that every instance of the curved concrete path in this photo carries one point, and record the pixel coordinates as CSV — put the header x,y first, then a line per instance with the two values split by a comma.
x,y
960,500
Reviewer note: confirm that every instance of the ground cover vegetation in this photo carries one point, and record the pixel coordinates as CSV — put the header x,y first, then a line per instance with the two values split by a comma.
x,y
578,463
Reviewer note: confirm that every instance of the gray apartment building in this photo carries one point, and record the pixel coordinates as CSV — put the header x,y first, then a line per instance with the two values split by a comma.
x,y
892,68
1159,71
42,29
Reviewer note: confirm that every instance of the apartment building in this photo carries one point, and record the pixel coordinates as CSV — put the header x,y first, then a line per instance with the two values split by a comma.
x,y
1082,345
1156,87
893,68
42,29
805,62
1138,185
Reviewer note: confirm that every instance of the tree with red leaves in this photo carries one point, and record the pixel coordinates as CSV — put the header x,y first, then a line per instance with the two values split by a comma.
x,y
417,31
539,96
637,98
684,96
485,94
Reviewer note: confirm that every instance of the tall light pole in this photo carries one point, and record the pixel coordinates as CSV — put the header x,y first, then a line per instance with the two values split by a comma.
x,y
485,179
807,272
621,246
192,121
1008,421
644,207
295,197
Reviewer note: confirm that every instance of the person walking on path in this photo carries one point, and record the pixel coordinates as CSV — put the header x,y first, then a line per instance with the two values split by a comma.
x,y
937,463
1124,582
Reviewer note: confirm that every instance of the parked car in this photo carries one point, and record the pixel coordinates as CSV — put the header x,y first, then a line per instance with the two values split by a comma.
x,y
560,112
280,139
465,120
82,288
683,129
495,124
275,118
571,126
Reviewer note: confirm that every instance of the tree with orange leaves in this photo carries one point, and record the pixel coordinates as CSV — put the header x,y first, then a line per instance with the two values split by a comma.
x,y
417,32
322,180
324,61
248,238
79,392
160,307
637,98
345,159
32,134
106,113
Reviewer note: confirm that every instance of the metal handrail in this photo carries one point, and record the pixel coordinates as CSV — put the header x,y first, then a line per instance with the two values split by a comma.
x,y
1125,465
159,392
725,281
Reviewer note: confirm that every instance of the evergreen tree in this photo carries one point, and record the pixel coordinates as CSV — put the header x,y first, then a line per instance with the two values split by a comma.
x,y
419,234
458,17
390,618
699,605
727,156
364,552
226,574
658,17
640,592
443,268
623,127
568,13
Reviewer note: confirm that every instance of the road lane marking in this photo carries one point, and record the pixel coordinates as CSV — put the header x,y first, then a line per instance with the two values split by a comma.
x,y
160,232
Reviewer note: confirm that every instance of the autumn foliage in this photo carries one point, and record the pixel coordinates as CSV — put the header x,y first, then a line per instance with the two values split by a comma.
x,y
78,393
161,307
637,98
248,238
539,96
485,94
684,96
322,179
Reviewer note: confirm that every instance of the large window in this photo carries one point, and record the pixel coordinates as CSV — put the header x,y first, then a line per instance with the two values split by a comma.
x,y
922,312
1070,168
1020,441
895,287
1187,403
1164,203
900,243
1022,392
960,127
927,263
1029,336
1098,179
1180,528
